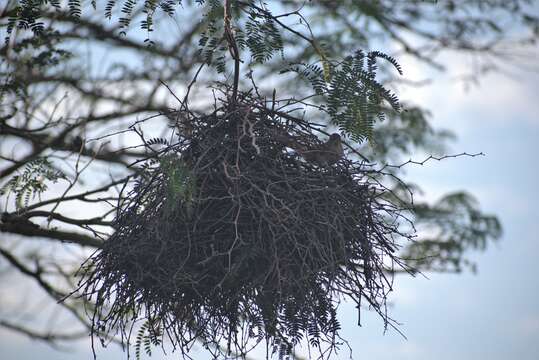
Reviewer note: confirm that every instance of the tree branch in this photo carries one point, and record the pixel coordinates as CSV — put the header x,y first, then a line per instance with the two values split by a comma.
x,y
49,337
25,228
65,219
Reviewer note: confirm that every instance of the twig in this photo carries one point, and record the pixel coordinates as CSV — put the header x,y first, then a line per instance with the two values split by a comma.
x,y
49,337
431,157
64,236
233,49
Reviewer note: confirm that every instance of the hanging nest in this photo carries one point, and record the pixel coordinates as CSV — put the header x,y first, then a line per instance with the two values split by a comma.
x,y
229,238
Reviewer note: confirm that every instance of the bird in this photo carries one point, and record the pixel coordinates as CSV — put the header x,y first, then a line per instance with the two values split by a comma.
x,y
325,154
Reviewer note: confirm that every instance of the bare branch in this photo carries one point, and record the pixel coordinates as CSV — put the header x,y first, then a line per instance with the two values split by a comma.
x,y
49,337
23,228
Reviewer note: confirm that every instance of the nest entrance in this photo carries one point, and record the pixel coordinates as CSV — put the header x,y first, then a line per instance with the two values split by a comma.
x,y
230,238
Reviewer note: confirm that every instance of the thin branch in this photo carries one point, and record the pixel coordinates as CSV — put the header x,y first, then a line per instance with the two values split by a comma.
x,y
36,275
55,294
60,217
23,228
81,196
233,48
431,157
49,337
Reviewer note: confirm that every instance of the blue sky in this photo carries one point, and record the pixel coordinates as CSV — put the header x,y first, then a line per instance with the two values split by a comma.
x,y
493,314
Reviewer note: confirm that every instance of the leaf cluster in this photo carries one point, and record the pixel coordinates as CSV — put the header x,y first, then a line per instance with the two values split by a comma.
x,y
261,36
148,336
31,182
27,14
32,56
353,96
455,225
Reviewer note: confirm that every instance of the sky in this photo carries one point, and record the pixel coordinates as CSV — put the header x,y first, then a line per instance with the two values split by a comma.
x,y
492,314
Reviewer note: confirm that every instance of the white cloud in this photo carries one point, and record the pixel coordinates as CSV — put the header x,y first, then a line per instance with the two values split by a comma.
x,y
498,98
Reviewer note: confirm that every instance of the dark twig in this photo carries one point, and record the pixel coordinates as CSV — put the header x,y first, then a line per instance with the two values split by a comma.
x,y
233,48
50,337
22,228
431,157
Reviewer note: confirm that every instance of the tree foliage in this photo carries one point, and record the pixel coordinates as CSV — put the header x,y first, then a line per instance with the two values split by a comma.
x,y
60,104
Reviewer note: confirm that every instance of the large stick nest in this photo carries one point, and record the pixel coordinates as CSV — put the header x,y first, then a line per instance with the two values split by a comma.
x,y
231,238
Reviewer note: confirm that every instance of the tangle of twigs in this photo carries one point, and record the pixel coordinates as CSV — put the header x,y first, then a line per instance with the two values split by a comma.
x,y
230,238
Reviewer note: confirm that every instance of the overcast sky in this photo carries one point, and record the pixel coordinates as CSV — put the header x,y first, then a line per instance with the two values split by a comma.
x,y
493,314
